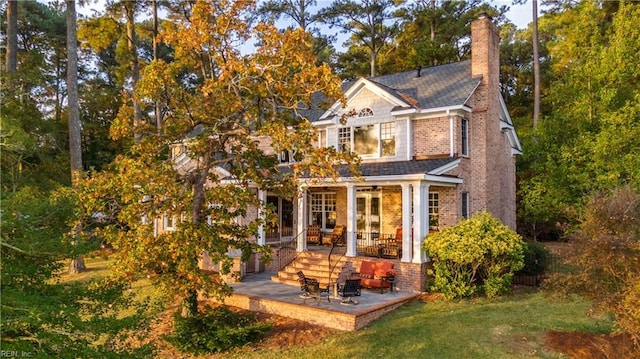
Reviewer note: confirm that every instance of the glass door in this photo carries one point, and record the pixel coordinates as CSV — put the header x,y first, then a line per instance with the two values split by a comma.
x,y
368,215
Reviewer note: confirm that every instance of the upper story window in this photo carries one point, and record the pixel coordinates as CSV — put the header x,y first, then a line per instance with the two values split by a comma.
x,y
365,112
388,138
344,139
289,156
369,140
365,140
464,136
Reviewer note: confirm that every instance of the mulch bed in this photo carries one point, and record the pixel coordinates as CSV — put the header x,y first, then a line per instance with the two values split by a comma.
x,y
580,345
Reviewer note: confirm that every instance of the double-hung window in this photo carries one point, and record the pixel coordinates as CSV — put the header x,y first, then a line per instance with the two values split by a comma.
x,y
464,137
344,139
434,211
369,140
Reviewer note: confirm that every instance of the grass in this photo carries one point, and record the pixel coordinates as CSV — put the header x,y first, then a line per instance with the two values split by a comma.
x,y
509,327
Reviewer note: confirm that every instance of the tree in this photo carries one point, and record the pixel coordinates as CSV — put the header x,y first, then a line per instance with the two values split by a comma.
x,y
12,36
536,65
219,104
605,257
585,144
433,33
296,10
75,135
366,21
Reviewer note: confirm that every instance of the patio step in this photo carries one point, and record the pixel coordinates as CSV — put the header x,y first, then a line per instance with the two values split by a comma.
x,y
313,265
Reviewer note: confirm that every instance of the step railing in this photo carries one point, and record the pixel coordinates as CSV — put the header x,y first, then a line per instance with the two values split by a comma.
x,y
287,251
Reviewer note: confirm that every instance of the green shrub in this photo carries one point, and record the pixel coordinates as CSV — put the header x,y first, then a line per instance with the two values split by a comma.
x,y
537,259
479,254
220,330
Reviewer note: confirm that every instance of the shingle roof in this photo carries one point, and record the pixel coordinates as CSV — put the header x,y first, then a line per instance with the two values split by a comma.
x,y
438,86
396,168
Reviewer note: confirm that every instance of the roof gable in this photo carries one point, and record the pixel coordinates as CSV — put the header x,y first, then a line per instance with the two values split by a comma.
x,y
443,86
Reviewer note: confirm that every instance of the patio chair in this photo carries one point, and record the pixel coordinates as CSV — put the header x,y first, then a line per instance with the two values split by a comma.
x,y
311,288
313,234
350,288
336,237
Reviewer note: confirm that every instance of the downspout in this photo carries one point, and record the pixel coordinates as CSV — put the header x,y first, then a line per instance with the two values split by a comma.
x,y
451,144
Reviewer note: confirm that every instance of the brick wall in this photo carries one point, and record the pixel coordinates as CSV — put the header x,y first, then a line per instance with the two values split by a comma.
x,y
431,137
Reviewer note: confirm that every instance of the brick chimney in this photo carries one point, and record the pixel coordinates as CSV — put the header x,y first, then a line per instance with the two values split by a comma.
x,y
492,186
485,51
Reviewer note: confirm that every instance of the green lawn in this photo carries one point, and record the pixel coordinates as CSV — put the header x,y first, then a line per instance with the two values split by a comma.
x,y
511,327
508,327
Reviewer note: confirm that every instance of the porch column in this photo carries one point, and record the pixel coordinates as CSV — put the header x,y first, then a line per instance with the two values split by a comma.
x,y
262,235
301,225
420,220
351,220
406,223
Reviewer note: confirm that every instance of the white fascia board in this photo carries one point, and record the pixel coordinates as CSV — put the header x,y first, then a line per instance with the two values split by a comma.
x,y
472,92
443,169
434,112
355,89
327,122
504,111
512,136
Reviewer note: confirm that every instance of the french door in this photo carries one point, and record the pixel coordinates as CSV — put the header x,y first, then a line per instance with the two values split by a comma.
x,y
368,210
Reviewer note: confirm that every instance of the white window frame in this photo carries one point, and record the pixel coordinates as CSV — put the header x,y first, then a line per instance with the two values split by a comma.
x,y
324,203
464,137
169,222
434,210
387,129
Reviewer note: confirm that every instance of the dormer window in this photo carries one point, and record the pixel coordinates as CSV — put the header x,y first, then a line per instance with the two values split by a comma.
x,y
365,112
289,156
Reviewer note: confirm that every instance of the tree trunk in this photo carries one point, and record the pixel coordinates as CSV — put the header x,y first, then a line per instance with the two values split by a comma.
x,y
12,36
77,265
75,136
536,66
130,9
155,57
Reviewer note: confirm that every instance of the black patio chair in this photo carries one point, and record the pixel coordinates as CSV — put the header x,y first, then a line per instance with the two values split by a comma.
x,y
350,288
311,288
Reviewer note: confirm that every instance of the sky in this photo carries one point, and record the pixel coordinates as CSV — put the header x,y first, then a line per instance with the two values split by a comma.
x,y
520,15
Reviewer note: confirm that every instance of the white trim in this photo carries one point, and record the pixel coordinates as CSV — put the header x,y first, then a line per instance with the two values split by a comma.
x,y
447,167
442,110
353,92
472,92
451,143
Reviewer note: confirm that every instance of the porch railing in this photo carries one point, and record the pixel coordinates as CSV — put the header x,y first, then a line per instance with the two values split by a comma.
x,y
287,252
381,245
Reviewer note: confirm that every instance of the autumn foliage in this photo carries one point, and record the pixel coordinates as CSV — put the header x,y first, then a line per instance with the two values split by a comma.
x,y
606,261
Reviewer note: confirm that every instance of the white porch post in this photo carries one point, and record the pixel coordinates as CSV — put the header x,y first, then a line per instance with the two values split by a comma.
x,y
406,223
262,235
302,221
351,220
420,220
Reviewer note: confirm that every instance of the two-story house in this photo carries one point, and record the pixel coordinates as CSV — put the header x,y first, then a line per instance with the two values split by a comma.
x,y
437,144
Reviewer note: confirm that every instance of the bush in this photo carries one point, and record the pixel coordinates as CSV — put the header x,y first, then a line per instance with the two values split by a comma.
x,y
479,254
606,258
218,331
537,259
